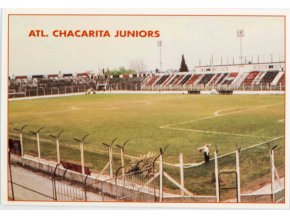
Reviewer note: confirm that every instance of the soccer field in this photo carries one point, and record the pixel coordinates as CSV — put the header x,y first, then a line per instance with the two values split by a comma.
x,y
184,122
151,121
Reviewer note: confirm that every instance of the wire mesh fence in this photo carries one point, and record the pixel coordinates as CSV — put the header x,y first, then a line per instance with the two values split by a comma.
x,y
143,185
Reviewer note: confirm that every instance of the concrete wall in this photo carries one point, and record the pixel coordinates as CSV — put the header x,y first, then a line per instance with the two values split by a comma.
x,y
107,188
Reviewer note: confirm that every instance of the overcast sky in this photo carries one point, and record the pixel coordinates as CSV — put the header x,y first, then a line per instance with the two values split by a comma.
x,y
197,37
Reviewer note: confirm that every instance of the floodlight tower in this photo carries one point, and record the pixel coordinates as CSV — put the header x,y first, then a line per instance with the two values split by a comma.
x,y
57,145
110,151
21,139
240,35
38,141
81,141
159,44
122,156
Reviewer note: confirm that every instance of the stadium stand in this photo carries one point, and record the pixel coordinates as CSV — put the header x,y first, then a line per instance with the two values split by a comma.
x,y
162,79
205,79
249,79
152,80
269,77
185,79
221,79
215,79
53,84
230,78
192,79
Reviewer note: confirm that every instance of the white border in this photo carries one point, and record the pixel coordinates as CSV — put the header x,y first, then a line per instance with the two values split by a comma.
x,y
4,101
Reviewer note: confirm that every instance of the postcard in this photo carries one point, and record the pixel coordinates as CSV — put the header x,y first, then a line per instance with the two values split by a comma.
x,y
150,108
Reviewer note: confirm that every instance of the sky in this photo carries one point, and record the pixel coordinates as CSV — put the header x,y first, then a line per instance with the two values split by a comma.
x,y
197,37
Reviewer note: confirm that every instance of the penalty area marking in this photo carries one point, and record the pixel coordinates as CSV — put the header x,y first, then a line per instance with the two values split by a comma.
x,y
216,114
219,115
216,133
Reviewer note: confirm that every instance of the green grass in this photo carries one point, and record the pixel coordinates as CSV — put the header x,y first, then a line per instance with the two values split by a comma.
x,y
138,117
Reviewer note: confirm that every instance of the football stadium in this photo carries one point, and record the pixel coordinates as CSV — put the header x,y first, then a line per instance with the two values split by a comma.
x,y
147,113
193,114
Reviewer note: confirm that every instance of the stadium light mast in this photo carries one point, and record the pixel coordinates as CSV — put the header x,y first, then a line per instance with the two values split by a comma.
x,y
241,35
159,44
20,138
57,145
81,141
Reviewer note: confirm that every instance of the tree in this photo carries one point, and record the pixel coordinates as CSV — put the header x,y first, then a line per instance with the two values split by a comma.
x,y
183,66
138,66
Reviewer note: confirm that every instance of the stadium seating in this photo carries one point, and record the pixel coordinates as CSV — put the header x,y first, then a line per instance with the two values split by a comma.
x,y
152,80
185,79
205,79
221,78
269,77
282,80
192,79
214,79
230,78
162,79
249,79
52,84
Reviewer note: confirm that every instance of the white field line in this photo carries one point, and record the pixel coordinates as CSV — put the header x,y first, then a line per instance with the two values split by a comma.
x,y
190,165
216,114
167,127
214,132
219,115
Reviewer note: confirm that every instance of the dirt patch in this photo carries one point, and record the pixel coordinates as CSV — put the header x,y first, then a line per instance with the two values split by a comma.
x,y
261,182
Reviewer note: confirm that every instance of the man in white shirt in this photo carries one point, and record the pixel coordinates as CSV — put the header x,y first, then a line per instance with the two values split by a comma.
x,y
206,154
205,150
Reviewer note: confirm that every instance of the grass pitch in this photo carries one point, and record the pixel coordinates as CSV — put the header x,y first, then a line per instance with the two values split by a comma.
x,y
150,121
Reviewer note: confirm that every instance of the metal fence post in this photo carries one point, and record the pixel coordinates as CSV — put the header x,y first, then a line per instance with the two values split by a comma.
x,y
238,176
81,141
38,146
10,172
181,173
21,139
216,176
161,178
82,157
38,142
272,173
